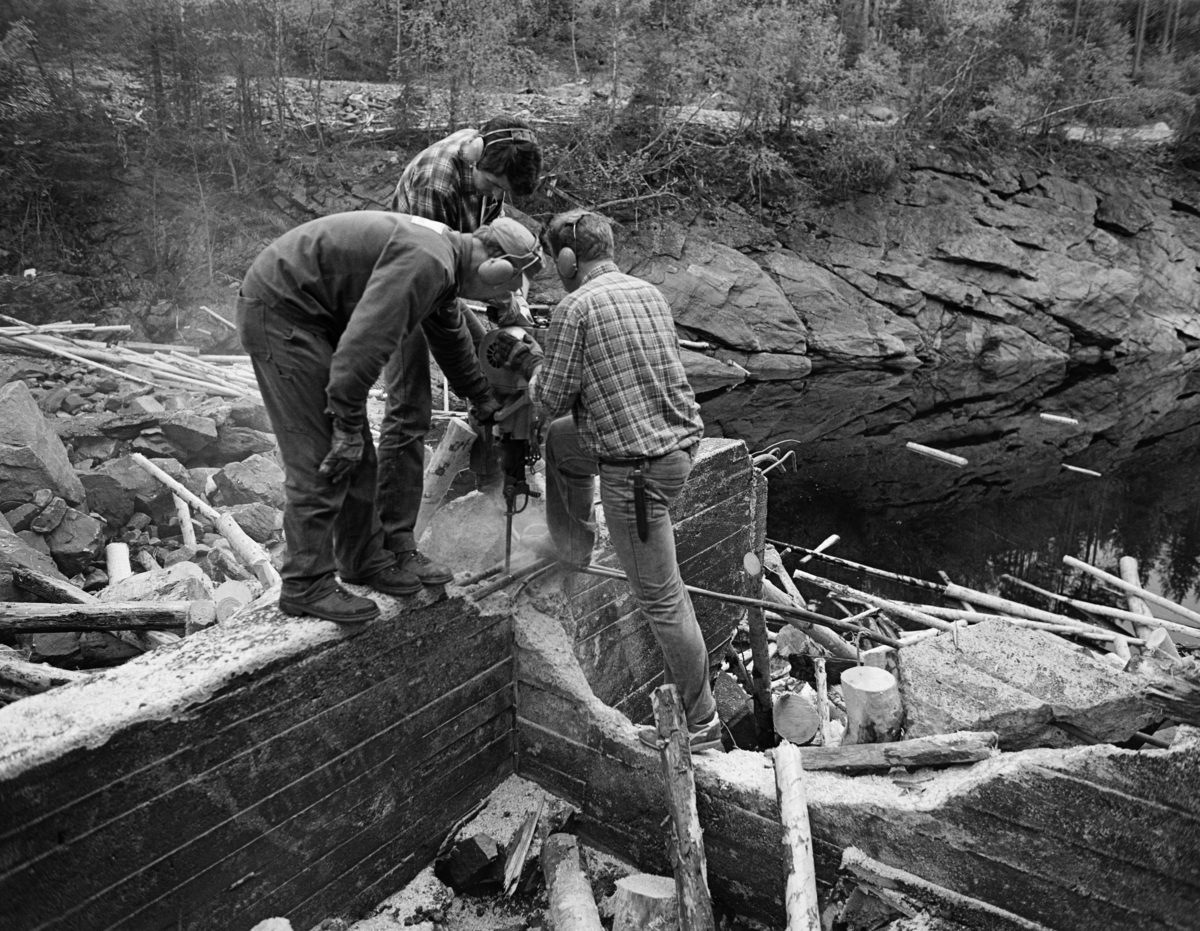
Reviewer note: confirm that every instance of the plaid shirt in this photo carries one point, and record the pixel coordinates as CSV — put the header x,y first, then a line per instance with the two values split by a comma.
x,y
612,359
438,185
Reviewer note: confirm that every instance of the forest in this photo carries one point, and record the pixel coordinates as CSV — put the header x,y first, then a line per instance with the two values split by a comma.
x,y
197,95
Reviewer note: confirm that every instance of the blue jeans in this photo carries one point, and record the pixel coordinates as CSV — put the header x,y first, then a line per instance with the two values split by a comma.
x,y
328,526
651,566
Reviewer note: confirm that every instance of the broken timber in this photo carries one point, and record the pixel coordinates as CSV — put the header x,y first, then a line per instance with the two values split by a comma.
x,y
111,615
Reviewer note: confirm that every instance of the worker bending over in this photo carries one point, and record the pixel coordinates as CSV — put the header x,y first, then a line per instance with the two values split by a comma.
x,y
613,387
319,312
461,181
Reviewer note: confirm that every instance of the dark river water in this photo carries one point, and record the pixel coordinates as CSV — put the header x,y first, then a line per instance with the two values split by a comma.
x,y
1013,509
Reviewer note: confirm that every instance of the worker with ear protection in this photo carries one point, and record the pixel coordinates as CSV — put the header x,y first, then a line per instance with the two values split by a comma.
x,y
461,181
612,385
320,311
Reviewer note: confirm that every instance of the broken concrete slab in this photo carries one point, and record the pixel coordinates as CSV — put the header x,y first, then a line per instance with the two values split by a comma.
x,y
1017,682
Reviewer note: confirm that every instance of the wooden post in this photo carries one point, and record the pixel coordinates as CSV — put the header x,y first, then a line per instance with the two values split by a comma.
x,y
873,710
760,648
691,872
572,905
800,896
823,700
1137,604
452,455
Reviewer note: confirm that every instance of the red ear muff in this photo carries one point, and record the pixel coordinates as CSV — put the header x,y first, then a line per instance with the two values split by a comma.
x,y
566,263
496,271
473,151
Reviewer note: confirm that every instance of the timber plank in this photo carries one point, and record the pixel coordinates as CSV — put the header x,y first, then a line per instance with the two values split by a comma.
x,y
238,784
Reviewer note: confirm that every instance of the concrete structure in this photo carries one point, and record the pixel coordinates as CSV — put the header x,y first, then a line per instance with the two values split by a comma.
x,y
285,767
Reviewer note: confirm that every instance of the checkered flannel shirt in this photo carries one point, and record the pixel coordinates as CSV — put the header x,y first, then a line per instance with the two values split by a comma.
x,y
438,185
612,359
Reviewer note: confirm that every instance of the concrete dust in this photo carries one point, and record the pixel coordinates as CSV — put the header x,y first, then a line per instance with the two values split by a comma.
x,y
426,904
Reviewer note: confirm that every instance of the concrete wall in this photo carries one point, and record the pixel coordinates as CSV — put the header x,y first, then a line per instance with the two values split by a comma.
x,y
272,767
717,520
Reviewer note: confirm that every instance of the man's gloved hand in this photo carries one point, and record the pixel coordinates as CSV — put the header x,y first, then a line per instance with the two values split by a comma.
x,y
484,407
522,355
345,452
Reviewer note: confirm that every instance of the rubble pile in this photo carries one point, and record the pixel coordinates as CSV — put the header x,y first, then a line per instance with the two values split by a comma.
x,y
78,512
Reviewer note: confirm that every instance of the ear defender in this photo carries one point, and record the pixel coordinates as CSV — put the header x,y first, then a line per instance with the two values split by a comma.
x,y
566,263
496,271
472,151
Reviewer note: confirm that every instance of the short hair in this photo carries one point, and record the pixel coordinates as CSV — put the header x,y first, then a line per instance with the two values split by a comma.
x,y
511,151
589,234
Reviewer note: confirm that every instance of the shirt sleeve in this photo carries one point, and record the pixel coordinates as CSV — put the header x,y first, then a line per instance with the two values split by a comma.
x,y
560,381
405,284
451,345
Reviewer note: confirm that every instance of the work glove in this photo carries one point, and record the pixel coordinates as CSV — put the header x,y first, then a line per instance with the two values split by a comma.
x,y
345,452
484,407
522,355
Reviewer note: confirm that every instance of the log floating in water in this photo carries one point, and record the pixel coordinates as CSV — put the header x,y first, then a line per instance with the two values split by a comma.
x,y
1058,418
1156,642
925,620
800,892
1124,586
930,452
1090,472
691,872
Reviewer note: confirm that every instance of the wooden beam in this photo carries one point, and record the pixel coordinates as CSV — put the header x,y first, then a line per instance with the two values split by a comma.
x,y
938,750
115,615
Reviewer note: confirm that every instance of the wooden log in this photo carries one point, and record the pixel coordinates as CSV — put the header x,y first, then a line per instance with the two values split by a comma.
x,y
930,452
823,700
249,552
795,717
1065,625
1124,586
49,589
453,454
873,710
1091,473
17,674
572,905
820,635
151,348
911,614
518,849
760,649
936,750
800,893
1057,418
1018,609
216,316
111,615
116,561
820,547
184,513
1156,641
691,871
645,903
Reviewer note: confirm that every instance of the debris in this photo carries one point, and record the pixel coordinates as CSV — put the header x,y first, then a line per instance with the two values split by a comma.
x,y
475,864
1081,471
122,615
1156,640
1124,586
519,849
1057,418
821,547
935,750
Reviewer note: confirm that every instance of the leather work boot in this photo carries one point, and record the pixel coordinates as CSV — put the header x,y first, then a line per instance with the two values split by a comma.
x,y
705,736
390,581
330,602
424,568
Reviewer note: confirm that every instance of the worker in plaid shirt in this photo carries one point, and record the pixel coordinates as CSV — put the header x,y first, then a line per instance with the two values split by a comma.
x,y
461,181
612,385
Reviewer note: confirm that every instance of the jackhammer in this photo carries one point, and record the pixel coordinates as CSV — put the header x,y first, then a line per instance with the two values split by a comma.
x,y
515,430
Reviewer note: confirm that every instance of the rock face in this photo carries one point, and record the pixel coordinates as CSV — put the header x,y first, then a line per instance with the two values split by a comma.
x,y
949,311
32,456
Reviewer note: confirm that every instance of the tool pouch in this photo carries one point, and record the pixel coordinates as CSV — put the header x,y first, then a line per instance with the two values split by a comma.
x,y
639,503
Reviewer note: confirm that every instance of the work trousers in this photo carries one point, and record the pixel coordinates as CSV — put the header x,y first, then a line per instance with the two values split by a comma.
x,y
650,565
330,527
407,417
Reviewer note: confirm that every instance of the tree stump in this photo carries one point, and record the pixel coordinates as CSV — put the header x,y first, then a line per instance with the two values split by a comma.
x,y
645,903
873,710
